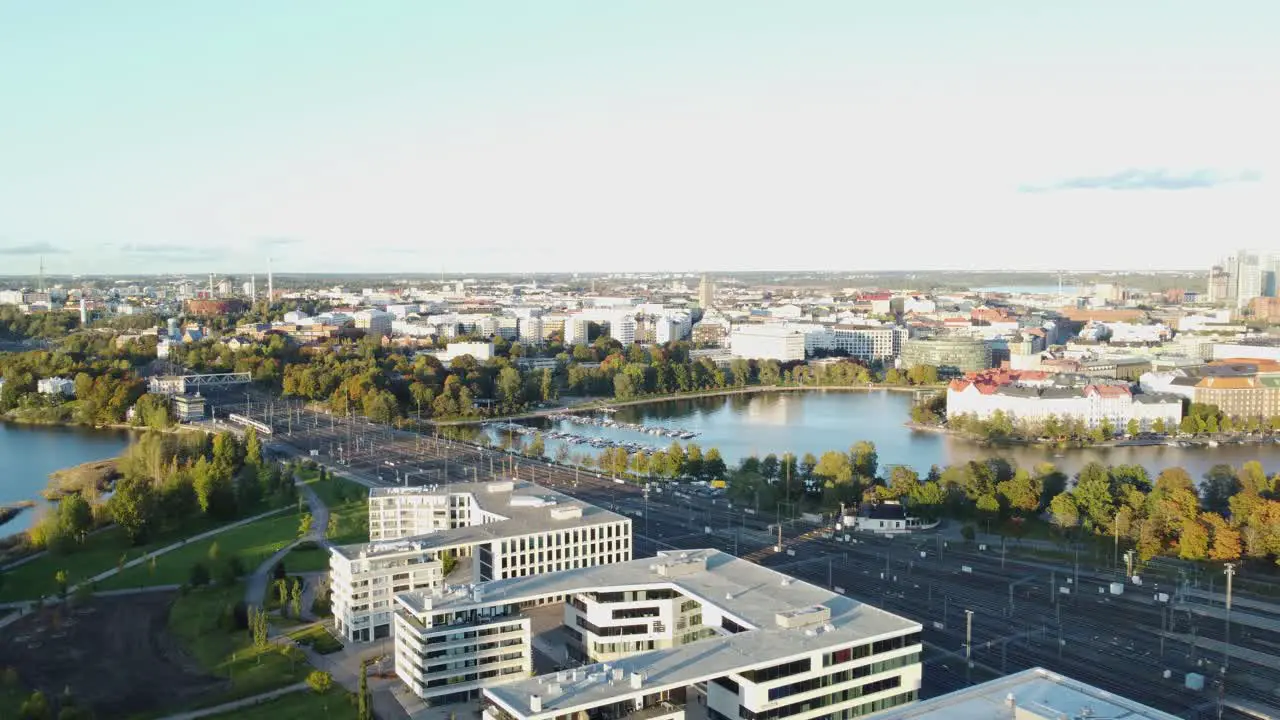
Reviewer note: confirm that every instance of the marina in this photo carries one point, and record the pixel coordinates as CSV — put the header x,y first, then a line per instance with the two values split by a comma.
x,y
599,443
609,422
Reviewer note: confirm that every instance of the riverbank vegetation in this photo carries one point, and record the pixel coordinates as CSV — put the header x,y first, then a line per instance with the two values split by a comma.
x,y
169,487
389,384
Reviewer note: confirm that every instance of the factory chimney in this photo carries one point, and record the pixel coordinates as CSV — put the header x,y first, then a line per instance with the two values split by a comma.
x,y
84,311
271,288
253,289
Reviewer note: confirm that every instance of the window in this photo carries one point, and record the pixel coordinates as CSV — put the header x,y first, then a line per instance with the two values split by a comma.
x,y
776,672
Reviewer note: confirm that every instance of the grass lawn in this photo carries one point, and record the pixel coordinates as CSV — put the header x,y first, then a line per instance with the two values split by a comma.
x,y
301,560
318,637
337,704
103,551
348,504
197,621
252,543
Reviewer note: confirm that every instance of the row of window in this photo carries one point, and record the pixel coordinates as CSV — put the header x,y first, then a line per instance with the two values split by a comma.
x,y
472,677
821,701
843,676
611,630
566,537
633,595
633,613
561,553
777,672
565,565
857,652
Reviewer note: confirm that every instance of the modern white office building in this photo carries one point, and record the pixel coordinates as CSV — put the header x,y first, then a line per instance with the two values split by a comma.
x,y
767,342
483,531
1033,694
741,640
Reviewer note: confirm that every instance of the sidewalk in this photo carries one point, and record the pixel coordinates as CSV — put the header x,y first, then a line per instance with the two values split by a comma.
x,y
255,588
245,702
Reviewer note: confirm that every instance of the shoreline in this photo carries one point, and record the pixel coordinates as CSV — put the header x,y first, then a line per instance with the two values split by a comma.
x,y
722,392
10,511
1166,441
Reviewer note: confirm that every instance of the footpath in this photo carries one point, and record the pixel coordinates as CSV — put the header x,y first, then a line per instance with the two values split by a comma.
x,y
255,588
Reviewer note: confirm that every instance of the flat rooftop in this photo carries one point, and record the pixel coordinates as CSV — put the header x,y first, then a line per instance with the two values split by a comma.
x,y
1035,693
527,508
784,617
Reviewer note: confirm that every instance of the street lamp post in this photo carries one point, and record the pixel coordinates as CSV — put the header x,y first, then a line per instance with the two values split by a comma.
x,y
1230,571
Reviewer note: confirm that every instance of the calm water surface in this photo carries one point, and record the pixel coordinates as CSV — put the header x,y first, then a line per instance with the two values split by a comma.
x,y
29,453
814,422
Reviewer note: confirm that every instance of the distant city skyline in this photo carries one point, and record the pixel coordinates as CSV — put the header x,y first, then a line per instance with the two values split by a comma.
x,y
406,137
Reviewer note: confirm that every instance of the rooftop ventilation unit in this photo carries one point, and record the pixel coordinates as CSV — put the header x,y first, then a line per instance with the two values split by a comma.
x,y
570,512
502,486
804,617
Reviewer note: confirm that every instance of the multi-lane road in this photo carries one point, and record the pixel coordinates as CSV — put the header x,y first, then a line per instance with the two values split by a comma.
x,y
1018,613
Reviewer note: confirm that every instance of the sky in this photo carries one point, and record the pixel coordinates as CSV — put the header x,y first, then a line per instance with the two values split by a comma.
x,y
142,136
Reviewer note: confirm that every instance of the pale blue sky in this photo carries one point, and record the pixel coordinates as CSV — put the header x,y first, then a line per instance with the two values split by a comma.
x,y
141,136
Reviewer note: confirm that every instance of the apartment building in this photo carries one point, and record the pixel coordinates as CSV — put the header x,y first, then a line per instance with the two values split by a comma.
x,y
487,531
1032,396
864,343
743,641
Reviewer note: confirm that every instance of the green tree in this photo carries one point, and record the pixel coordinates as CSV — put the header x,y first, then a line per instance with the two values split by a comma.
x,y
1132,428
713,465
834,466
295,598
865,459
1093,495
75,517
133,507
252,447
304,525
1064,511
537,448
60,579
364,708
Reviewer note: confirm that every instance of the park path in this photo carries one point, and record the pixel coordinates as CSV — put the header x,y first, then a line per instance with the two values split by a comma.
x,y
238,704
255,588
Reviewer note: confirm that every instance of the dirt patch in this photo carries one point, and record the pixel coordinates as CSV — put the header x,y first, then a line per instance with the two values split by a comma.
x,y
115,654
88,479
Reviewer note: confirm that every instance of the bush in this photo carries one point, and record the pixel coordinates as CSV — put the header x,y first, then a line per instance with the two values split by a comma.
x,y
279,572
199,575
968,533
307,545
320,682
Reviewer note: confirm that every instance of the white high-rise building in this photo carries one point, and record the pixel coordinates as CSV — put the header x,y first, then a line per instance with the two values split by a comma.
x,y
491,530
622,327
699,626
